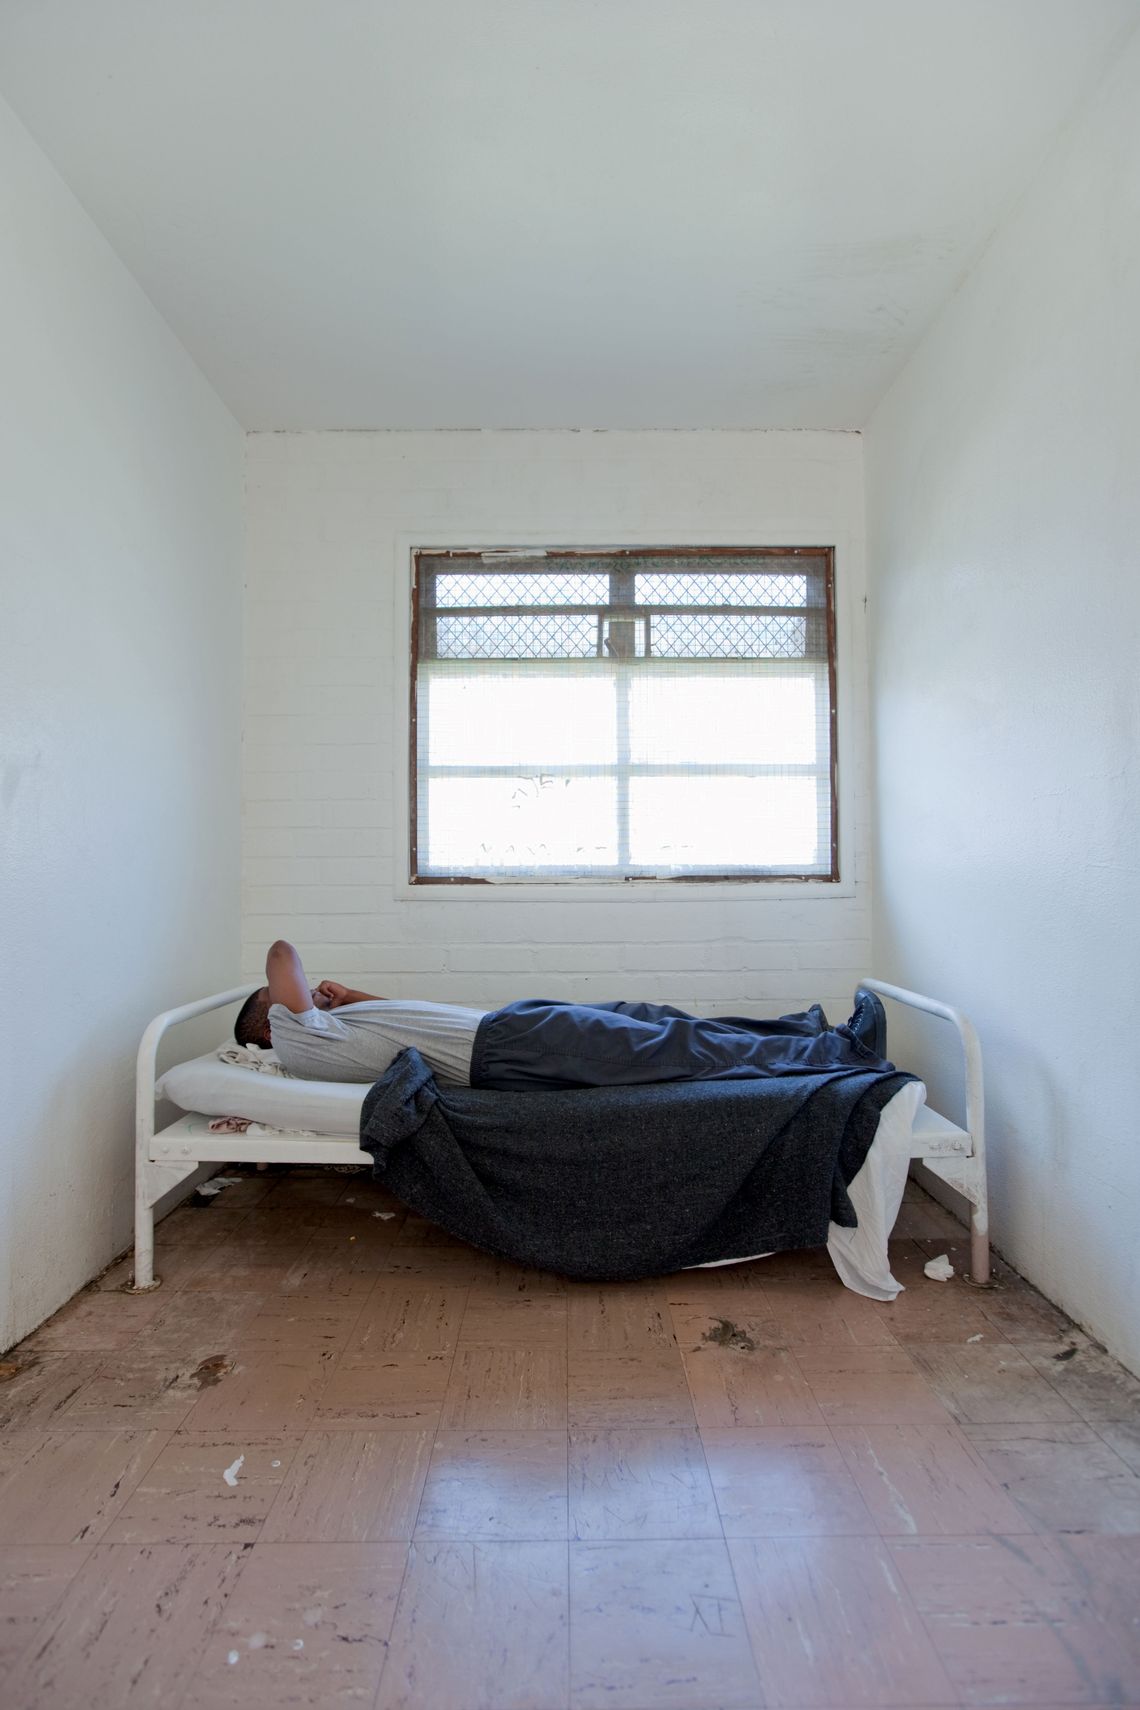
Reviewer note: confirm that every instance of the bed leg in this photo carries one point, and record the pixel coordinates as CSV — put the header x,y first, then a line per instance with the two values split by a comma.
x,y
979,1248
144,1280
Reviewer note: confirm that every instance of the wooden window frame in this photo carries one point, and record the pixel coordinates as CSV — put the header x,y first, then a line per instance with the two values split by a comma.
x,y
425,558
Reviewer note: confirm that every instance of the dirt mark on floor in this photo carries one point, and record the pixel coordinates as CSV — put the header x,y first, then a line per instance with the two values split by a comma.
x,y
726,1335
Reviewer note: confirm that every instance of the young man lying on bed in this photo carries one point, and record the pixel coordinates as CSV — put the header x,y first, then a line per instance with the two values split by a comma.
x,y
329,1032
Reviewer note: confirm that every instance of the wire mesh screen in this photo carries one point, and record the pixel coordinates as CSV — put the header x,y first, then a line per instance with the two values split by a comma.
x,y
624,715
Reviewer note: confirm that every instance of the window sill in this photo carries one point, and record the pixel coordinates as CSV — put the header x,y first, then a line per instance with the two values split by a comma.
x,y
633,891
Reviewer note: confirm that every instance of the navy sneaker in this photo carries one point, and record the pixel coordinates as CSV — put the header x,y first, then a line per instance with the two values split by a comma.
x,y
869,1023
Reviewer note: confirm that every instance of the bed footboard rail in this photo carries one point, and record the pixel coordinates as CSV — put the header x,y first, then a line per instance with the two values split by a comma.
x,y
967,1172
153,1178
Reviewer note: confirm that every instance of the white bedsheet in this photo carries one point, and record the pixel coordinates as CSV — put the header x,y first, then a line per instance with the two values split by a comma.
x,y
213,1088
860,1255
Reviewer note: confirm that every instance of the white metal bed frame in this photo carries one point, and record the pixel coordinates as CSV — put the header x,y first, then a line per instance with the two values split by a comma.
x,y
164,1159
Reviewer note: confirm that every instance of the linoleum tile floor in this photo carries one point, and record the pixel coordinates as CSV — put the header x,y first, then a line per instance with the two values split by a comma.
x,y
339,1459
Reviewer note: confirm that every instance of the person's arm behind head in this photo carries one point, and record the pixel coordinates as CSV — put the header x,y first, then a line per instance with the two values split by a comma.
x,y
289,984
285,976
336,995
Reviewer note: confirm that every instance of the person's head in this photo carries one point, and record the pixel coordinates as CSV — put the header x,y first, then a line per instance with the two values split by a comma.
x,y
252,1024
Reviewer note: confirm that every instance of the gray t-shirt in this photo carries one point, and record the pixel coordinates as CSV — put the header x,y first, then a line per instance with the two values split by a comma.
x,y
359,1041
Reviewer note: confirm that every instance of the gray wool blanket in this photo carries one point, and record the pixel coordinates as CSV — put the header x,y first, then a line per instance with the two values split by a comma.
x,y
616,1183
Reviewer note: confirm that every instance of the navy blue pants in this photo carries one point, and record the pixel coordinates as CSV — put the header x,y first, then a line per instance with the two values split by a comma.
x,y
536,1043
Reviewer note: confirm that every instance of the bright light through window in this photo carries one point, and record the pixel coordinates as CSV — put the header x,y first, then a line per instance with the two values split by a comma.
x,y
624,715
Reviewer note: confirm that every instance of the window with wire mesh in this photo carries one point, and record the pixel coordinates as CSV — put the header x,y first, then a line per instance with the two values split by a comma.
x,y
632,714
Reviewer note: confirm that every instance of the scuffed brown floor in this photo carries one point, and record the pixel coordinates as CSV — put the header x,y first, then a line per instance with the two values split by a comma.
x,y
339,1460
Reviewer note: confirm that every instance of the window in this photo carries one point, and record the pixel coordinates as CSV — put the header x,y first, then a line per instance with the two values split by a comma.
x,y
623,715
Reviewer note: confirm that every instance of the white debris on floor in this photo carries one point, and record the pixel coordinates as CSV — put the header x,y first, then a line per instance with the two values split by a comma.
x,y
216,1184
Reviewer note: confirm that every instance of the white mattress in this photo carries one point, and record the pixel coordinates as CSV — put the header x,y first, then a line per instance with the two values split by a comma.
x,y
213,1088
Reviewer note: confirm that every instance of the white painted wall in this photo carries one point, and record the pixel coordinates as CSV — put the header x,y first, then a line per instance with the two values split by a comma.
x,y
330,521
1004,545
120,533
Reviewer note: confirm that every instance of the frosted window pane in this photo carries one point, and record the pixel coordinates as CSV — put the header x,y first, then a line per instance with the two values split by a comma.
x,y
527,635
537,720
475,824
716,588
725,822
719,635
760,718
521,588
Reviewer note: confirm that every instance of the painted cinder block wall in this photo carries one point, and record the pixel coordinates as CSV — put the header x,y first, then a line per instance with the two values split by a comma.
x,y
331,518
1004,553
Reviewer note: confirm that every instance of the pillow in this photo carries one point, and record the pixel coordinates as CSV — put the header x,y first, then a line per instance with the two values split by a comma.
x,y
213,1088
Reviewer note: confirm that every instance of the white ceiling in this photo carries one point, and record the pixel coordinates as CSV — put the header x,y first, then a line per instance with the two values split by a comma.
x,y
551,213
